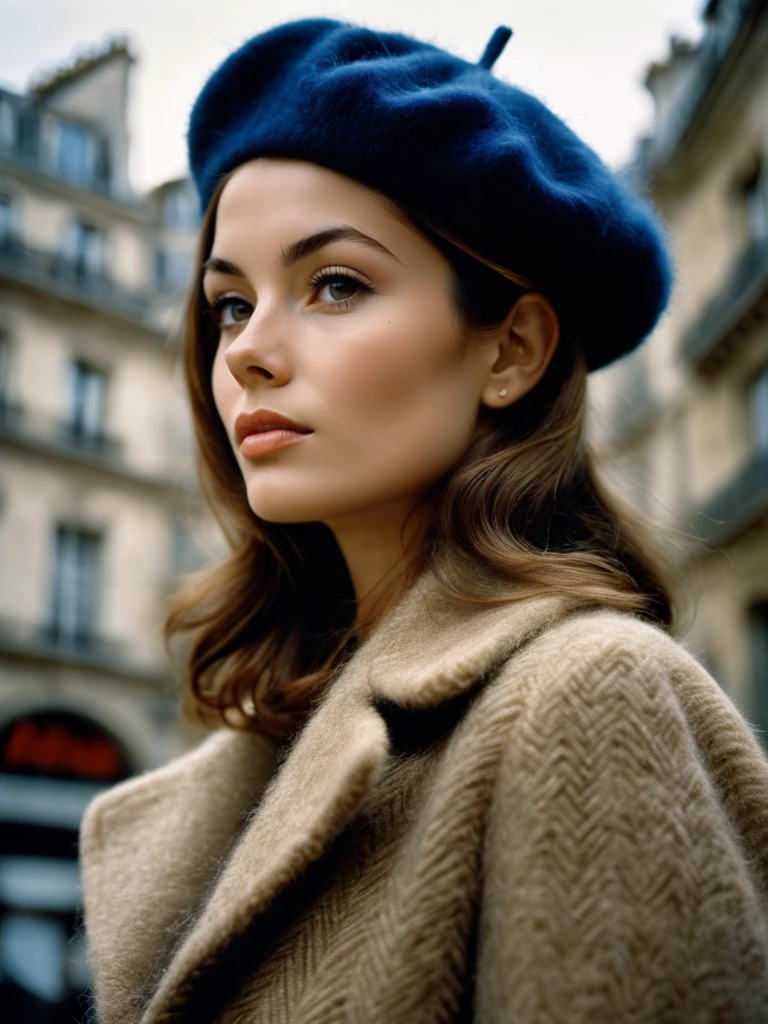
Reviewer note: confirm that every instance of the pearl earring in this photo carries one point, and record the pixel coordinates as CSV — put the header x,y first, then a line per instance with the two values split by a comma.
x,y
502,392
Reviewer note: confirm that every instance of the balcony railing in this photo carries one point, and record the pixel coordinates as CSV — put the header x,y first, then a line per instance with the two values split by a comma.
x,y
100,451
95,180
70,278
38,641
745,288
43,639
741,502
50,432
24,147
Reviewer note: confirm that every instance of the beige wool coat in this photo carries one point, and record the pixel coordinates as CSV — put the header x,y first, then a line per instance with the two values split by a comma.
x,y
528,813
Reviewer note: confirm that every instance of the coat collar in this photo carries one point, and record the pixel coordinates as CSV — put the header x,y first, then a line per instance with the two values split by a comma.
x,y
432,647
427,650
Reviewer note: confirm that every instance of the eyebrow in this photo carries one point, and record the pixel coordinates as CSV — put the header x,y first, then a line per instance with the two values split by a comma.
x,y
304,247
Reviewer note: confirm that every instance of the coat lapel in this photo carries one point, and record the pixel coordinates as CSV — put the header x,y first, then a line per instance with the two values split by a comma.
x,y
317,790
149,848
427,650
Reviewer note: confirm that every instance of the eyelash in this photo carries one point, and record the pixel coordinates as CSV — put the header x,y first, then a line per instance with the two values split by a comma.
x,y
335,274
215,309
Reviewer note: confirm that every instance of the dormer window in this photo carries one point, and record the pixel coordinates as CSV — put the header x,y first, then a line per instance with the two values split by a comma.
x,y
103,165
75,153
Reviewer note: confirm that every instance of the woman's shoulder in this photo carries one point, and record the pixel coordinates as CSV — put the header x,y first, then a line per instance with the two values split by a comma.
x,y
629,822
589,631
604,643
607,671
603,687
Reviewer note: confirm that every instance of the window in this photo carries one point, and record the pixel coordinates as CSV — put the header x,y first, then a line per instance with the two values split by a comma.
x,y
86,387
759,630
10,411
5,366
33,954
74,597
103,167
29,131
755,191
7,123
7,218
75,152
173,270
5,356
85,249
180,209
161,270
759,410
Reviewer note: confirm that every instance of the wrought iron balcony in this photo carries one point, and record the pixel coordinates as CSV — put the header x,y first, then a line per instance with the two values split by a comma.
x,y
70,441
70,278
737,505
95,180
77,437
46,639
40,641
720,323
51,433
21,143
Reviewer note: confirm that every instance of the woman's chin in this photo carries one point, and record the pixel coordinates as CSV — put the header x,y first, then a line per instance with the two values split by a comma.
x,y
276,513
285,508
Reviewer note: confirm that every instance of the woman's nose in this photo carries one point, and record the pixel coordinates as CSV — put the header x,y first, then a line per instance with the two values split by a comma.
x,y
258,354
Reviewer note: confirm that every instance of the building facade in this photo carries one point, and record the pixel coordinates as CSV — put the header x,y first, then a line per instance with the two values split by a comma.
x,y
98,501
682,424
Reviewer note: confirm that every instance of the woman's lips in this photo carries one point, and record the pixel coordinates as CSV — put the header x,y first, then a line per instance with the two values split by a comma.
x,y
266,441
266,430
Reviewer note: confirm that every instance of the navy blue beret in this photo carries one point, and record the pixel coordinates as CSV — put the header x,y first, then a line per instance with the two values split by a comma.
x,y
483,160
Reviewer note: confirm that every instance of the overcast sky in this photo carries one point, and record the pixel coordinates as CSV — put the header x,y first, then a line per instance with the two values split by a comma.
x,y
585,58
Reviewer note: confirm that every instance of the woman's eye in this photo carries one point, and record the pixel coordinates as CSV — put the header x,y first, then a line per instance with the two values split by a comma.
x,y
336,289
229,311
341,288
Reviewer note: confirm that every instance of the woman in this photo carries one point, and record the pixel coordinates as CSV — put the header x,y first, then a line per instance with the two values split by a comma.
x,y
464,773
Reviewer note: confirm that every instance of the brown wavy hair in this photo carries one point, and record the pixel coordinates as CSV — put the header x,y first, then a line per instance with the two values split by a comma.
x,y
522,514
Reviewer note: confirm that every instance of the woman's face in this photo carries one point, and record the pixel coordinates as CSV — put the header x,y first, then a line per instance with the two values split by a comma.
x,y
336,315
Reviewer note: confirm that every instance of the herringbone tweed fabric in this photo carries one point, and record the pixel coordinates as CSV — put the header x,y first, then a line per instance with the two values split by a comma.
x,y
534,814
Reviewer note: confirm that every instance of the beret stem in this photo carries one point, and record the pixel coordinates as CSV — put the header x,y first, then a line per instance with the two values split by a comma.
x,y
495,46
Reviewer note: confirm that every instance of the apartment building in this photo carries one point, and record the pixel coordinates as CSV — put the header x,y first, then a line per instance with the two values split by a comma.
x,y
682,424
98,501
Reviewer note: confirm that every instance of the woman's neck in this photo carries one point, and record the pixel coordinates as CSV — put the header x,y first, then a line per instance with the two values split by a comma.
x,y
379,546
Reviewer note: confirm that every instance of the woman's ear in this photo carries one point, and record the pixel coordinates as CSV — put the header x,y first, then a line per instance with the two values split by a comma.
x,y
525,343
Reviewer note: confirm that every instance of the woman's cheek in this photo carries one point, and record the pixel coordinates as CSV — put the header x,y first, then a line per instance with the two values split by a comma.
x,y
383,368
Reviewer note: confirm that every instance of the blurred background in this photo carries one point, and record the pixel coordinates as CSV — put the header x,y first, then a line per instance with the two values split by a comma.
x,y
99,509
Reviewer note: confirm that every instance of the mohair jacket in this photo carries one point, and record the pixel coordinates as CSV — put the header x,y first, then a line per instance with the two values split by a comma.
x,y
529,813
